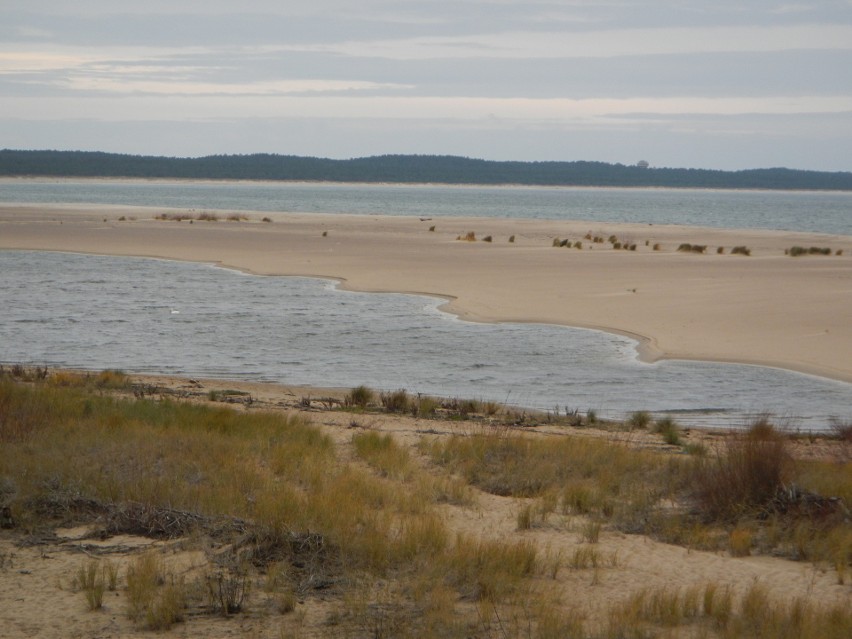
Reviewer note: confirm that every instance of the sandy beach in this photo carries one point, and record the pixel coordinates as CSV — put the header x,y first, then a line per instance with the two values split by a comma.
x,y
767,308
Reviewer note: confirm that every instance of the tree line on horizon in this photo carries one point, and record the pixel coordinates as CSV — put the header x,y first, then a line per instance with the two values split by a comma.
x,y
441,169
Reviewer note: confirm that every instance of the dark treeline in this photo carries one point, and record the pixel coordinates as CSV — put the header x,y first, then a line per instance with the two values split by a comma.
x,y
443,169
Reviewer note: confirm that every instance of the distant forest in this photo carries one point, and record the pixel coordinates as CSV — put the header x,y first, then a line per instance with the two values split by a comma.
x,y
442,169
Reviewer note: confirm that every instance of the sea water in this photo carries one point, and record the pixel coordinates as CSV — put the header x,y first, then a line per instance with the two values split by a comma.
x,y
821,212
158,316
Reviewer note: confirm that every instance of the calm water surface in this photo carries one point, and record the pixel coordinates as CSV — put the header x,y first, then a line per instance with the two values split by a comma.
x,y
159,316
821,212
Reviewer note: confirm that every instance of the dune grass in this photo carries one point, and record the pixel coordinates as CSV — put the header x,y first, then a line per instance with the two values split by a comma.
x,y
372,514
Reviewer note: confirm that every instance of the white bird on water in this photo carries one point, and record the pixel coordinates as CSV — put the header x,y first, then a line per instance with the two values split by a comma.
x,y
175,311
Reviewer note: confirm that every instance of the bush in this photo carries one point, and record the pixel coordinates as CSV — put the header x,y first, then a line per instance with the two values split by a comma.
x,y
692,248
668,428
740,250
639,420
746,476
360,396
396,401
796,251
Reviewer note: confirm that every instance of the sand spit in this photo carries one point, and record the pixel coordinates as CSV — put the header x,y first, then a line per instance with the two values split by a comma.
x,y
764,308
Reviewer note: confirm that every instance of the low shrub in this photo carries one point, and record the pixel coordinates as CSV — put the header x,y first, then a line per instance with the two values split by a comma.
x,y
487,238
746,476
668,428
796,251
227,590
360,397
639,420
692,248
741,250
396,401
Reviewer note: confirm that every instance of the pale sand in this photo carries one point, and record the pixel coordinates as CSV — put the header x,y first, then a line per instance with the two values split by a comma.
x,y
767,309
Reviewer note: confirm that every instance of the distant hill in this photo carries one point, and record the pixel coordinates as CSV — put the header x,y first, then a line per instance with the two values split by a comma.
x,y
443,169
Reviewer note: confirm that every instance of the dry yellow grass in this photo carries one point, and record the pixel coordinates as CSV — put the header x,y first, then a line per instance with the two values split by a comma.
x,y
390,529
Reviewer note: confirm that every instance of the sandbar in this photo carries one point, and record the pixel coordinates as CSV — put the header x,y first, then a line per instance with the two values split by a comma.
x,y
767,308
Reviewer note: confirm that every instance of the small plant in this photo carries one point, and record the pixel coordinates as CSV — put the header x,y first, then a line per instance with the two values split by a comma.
x,y
720,250
578,245
155,598
469,237
511,239
360,397
657,247
741,250
432,229
487,238
90,579
746,476
592,532
267,220
227,590
668,428
556,242
395,401
739,542
692,248
525,518
565,243
207,217
325,233
616,245
796,251
640,420
236,217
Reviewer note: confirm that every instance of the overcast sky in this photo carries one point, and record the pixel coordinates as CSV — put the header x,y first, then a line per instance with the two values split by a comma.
x,y
724,84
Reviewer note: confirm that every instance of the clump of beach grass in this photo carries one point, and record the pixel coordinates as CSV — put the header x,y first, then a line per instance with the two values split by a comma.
x,y
639,420
470,236
796,251
396,401
669,429
360,397
91,579
746,475
156,598
692,248
741,250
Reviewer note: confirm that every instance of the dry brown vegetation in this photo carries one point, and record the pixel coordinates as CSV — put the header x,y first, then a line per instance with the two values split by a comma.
x,y
307,530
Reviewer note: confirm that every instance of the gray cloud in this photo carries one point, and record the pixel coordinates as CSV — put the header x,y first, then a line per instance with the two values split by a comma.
x,y
530,80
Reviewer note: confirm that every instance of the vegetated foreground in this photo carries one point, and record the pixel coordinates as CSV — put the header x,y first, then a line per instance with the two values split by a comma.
x,y
196,508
